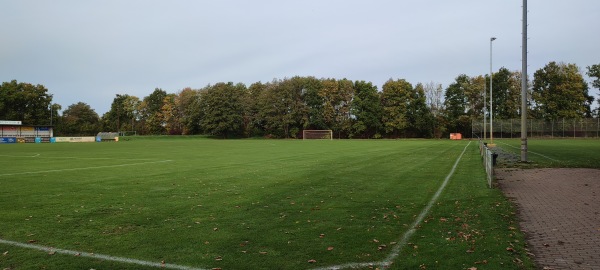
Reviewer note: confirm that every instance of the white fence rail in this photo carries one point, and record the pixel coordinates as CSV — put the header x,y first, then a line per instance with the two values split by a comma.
x,y
488,161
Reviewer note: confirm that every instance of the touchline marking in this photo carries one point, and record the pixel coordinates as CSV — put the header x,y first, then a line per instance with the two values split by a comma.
x,y
98,256
55,157
541,155
36,155
87,168
395,252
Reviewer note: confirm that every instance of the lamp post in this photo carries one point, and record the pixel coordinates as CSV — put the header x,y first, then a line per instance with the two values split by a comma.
x,y
484,110
491,144
524,87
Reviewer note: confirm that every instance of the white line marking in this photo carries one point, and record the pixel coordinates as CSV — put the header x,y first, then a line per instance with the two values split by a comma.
x,y
87,168
395,252
36,155
98,256
541,155
55,157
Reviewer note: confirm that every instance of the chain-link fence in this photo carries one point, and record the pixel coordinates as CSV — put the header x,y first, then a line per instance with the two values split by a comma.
x,y
561,128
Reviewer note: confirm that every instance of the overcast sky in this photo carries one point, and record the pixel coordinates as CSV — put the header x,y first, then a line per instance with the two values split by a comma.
x,y
89,51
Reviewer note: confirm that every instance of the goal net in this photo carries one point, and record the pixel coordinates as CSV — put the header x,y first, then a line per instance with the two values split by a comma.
x,y
317,134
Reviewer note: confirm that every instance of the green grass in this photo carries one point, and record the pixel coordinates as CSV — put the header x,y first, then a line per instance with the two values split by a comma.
x,y
252,204
553,153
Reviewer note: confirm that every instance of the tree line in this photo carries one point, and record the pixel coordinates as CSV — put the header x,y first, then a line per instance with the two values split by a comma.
x,y
283,108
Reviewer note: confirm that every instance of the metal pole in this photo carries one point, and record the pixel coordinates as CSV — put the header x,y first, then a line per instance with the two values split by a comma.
x,y
524,87
491,100
484,111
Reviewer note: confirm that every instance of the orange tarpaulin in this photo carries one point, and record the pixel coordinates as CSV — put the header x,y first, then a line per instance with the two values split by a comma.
x,y
455,136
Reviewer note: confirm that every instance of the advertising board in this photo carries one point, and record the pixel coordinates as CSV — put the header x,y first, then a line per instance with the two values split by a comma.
x,y
8,140
74,139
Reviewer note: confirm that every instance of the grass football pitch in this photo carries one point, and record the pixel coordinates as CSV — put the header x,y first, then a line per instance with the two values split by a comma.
x,y
196,203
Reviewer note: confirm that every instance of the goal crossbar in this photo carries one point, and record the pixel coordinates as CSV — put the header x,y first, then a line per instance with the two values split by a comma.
x,y
320,134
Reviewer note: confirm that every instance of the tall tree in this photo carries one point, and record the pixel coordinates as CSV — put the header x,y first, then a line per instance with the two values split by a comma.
x,y
434,93
594,72
395,98
435,102
506,94
79,120
366,110
473,90
185,108
420,117
171,115
120,113
456,105
337,97
223,110
559,91
25,102
282,108
314,102
150,112
131,106
253,123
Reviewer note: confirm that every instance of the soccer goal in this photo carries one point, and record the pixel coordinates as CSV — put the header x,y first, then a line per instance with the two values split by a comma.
x,y
325,134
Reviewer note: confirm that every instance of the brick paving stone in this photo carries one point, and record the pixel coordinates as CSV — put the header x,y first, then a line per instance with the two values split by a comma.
x,y
559,210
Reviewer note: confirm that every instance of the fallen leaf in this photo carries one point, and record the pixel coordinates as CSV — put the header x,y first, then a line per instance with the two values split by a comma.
x,y
219,258
443,219
52,252
375,240
215,229
312,261
329,248
322,235
472,268
263,252
510,249
5,253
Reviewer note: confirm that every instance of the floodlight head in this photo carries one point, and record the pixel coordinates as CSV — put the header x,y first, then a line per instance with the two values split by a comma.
x,y
492,39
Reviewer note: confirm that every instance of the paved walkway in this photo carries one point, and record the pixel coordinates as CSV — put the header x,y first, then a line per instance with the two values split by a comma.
x,y
559,210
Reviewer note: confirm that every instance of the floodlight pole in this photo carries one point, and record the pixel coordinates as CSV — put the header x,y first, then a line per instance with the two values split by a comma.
x,y
484,110
524,87
491,100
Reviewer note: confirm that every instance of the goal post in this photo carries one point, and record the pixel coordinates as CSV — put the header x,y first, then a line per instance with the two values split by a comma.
x,y
322,134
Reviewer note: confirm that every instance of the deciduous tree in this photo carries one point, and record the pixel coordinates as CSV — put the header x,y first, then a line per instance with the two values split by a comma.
x,y
222,109
79,120
456,103
25,102
559,91
366,110
395,99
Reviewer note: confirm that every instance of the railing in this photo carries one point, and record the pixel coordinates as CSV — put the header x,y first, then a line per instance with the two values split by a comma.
x,y
559,128
488,163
